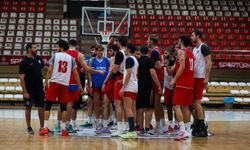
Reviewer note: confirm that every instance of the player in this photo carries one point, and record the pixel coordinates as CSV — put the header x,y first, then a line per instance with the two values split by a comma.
x,y
184,82
202,69
60,66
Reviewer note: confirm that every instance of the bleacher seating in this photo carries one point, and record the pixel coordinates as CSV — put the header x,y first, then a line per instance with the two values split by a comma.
x,y
228,33
24,21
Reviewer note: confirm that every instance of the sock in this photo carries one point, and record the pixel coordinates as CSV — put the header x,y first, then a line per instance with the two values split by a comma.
x,y
119,125
147,129
73,123
89,119
105,123
188,126
131,124
163,123
64,125
158,124
67,123
125,126
46,123
182,126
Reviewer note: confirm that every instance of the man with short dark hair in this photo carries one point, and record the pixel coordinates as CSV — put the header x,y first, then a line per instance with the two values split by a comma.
x,y
60,66
184,82
156,55
129,89
202,69
31,79
145,101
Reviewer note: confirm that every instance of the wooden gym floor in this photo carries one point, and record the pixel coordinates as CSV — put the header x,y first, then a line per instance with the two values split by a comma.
x,y
231,128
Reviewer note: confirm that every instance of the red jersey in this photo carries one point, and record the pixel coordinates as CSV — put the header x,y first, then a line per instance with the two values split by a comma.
x,y
74,54
160,73
186,79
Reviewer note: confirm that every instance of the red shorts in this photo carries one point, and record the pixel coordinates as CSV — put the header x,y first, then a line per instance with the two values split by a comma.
x,y
117,88
155,89
74,95
59,91
198,88
183,96
168,96
97,90
109,89
132,95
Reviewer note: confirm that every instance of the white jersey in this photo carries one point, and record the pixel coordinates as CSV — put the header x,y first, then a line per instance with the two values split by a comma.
x,y
132,85
62,63
199,63
167,80
122,65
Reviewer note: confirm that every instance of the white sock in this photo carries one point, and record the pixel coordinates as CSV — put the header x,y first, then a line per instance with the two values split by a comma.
x,y
172,123
188,126
73,123
46,123
158,124
126,126
182,126
163,123
64,125
89,119
105,123
119,126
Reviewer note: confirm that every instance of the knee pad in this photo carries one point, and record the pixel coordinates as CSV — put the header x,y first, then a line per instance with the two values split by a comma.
x,y
63,107
48,105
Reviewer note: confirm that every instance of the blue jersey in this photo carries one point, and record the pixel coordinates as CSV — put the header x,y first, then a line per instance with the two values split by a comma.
x,y
98,79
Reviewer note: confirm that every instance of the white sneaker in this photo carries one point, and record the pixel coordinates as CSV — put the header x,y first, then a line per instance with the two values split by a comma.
x,y
117,133
181,136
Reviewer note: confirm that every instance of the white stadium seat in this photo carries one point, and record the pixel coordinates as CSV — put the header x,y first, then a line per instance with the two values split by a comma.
x,y
238,99
232,84
246,99
223,84
2,88
18,97
215,84
8,96
13,80
244,92
235,92
31,15
242,84
1,96
205,99
10,88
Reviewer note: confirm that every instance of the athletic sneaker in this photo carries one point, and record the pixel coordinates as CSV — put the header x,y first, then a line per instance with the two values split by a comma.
x,y
117,133
30,130
65,132
146,134
86,124
70,129
181,136
44,131
57,129
103,131
111,123
75,128
129,135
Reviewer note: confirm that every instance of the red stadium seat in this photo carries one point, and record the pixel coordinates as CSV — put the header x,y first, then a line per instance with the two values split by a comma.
x,y
24,3
211,37
15,3
242,44
246,32
23,9
228,31
222,18
178,18
197,24
222,43
189,24
138,42
171,24
187,18
32,9
165,36
136,29
205,18
144,23
172,30
145,29
214,18
174,36
218,31
243,25
146,35
142,17
221,37
166,43
137,35
216,56
248,37
230,37
225,25
134,17
232,44
151,17
213,43
239,38
181,30
169,18
196,18
226,56
216,25
162,24
160,18
134,23
236,31
210,31
154,29
163,29
207,24
236,57
153,24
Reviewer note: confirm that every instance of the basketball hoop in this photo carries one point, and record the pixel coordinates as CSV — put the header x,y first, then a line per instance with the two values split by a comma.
x,y
105,35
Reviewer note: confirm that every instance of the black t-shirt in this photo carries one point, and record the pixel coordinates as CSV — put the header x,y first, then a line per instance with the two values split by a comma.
x,y
155,55
118,60
205,50
32,68
129,62
144,75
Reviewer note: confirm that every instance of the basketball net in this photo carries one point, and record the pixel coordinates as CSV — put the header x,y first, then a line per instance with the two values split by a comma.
x,y
105,35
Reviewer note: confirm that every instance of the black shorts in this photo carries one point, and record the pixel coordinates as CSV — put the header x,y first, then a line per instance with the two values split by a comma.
x,y
36,98
78,104
145,99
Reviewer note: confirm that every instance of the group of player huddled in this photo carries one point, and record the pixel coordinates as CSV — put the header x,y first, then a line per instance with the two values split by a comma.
x,y
125,88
